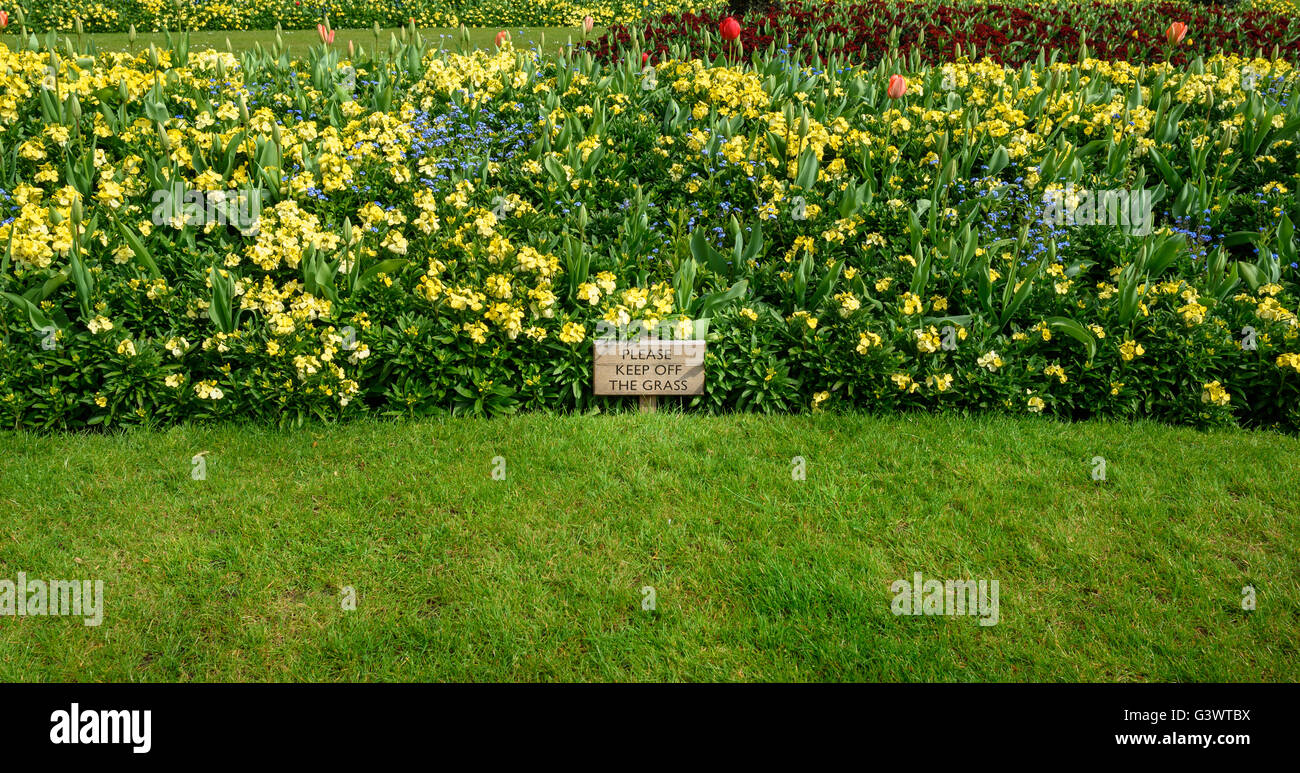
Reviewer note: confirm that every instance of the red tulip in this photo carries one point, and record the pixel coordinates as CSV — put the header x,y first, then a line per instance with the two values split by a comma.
x,y
1176,32
645,57
502,38
897,86
729,29
4,19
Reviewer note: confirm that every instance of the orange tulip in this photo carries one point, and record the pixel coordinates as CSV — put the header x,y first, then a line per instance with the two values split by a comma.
x,y
4,19
1176,32
897,86
502,38
326,34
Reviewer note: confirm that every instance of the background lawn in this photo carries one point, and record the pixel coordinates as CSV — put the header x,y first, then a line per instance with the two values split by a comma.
x,y
757,576
298,41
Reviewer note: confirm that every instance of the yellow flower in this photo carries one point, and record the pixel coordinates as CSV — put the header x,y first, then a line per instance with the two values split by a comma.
x,y
866,340
990,361
1215,394
477,332
1130,349
1036,404
941,382
849,303
572,333
208,390
806,318
927,341
904,382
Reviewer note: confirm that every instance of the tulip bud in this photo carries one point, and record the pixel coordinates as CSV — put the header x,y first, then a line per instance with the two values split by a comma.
x,y
243,109
130,35
76,210
74,108
897,86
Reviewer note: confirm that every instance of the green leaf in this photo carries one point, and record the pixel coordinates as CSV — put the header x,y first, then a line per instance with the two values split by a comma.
x,y
1077,332
34,314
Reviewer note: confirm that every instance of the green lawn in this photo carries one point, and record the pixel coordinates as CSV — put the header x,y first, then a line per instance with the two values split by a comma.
x,y
756,576
299,40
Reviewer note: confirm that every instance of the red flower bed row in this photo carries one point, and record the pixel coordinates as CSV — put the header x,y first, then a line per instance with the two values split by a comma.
x,y
1006,32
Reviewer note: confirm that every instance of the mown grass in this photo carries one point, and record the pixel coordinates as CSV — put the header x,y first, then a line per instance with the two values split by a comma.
x,y
298,41
757,576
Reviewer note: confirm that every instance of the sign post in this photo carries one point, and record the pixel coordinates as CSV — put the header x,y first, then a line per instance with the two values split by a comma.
x,y
648,368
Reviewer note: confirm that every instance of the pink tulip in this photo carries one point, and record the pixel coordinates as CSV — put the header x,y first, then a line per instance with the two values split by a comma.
x,y
1176,32
588,23
897,86
326,34
729,28
502,38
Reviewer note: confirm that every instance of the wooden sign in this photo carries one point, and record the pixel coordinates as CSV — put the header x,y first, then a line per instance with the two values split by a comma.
x,y
649,367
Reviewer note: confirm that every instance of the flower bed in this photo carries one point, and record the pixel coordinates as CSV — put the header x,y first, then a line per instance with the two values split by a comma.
x,y
447,233
1011,33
